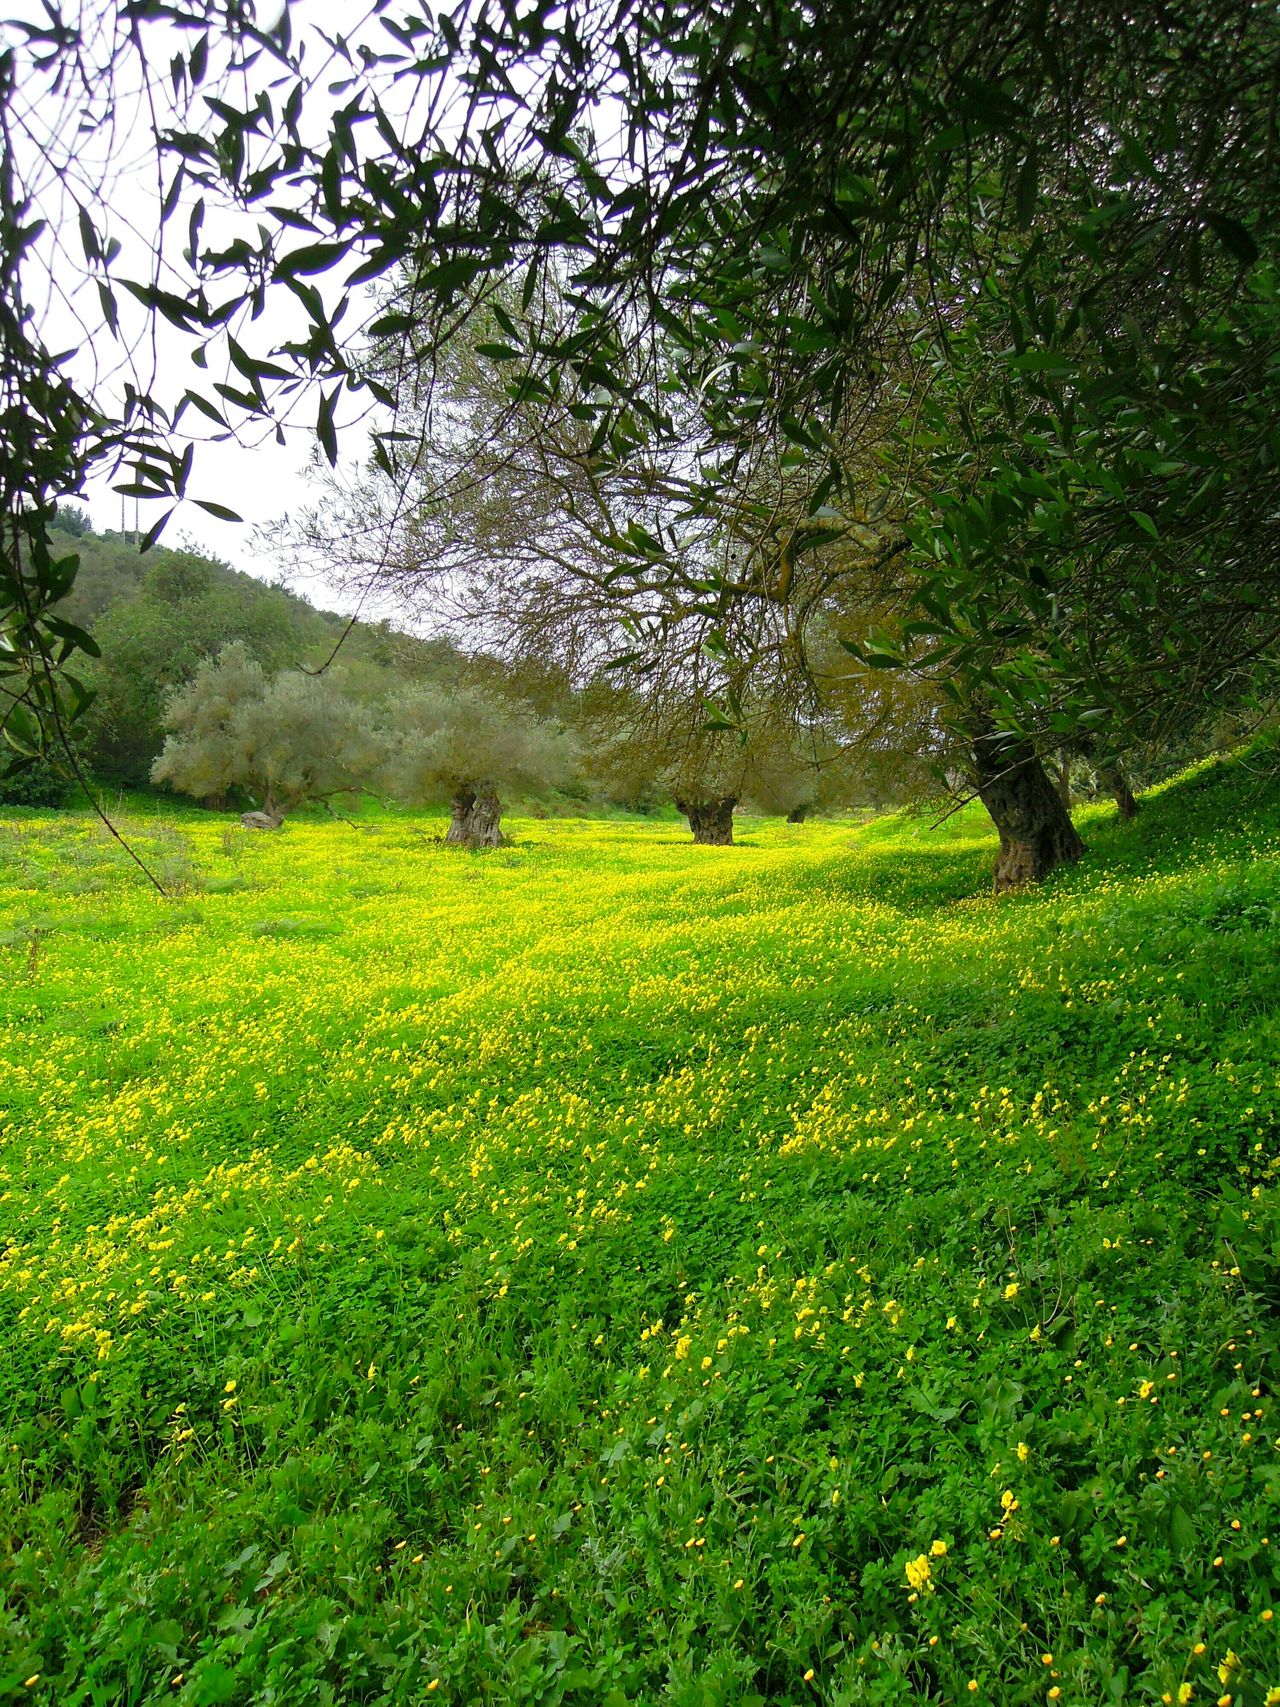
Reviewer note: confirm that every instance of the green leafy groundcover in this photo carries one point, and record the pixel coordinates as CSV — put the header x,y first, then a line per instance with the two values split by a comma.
x,y
611,1271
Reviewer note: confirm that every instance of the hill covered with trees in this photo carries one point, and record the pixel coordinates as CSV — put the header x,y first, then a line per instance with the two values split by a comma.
x,y
240,693
157,617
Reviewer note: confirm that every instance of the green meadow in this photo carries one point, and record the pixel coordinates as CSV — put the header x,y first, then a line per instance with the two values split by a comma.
x,y
608,1271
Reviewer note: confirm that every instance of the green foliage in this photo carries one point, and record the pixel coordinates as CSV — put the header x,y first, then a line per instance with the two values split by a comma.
x,y
283,740
37,784
1006,334
185,609
441,742
1156,450
585,1276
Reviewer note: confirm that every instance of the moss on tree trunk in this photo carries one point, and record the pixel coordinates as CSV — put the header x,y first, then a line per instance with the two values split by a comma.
x,y
1036,832
710,820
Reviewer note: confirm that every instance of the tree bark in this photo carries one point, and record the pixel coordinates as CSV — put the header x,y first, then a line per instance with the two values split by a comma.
x,y
486,821
460,808
797,815
1064,779
276,809
1036,832
1114,778
710,820
475,820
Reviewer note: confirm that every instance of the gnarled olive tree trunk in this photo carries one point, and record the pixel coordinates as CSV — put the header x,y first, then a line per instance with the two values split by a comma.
x,y
710,820
1036,832
1115,780
797,815
475,819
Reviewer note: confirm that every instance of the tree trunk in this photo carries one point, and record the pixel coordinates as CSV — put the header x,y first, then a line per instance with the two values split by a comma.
x,y
797,815
460,809
276,809
710,820
486,821
1117,782
475,820
1036,832
1064,779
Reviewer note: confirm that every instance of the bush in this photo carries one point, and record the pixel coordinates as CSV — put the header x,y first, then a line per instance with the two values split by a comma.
x,y
36,785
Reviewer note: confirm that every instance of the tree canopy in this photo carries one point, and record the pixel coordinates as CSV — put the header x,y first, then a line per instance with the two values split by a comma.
x,y
463,747
282,739
966,313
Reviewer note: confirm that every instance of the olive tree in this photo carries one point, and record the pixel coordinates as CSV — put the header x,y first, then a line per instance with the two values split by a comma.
x,y
1046,233
283,739
461,746
676,745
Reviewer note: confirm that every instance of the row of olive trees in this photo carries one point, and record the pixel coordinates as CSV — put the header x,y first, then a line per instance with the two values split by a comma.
x,y
285,739
294,737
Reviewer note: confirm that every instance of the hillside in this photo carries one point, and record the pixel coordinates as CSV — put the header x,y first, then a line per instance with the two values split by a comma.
x,y
609,1271
156,616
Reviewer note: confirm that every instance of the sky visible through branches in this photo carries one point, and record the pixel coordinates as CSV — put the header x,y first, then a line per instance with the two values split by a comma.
x,y
88,146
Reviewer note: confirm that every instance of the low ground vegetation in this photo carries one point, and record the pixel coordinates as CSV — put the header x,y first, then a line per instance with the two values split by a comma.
x,y
604,1271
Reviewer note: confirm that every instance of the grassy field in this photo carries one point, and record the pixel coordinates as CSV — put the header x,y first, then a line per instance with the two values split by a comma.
x,y
610,1271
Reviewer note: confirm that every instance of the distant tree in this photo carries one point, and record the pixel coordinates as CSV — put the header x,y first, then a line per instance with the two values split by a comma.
x,y
872,738
790,788
664,743
462,746
71,519
804,773
769,766
186,608
283,740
